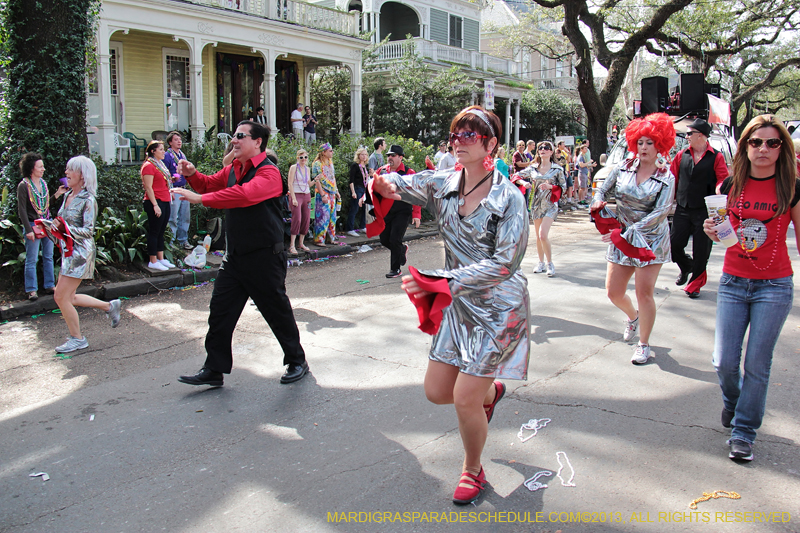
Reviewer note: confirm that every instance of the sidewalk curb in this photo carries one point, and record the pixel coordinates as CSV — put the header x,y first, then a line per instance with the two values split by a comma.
x,y
165,280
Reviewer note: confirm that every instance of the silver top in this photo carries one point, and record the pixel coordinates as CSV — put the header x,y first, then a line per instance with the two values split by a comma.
x,y
484,332
642,211
541,205
80,217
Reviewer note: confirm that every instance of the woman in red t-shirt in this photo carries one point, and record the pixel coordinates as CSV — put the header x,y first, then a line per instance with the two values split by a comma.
x,y
156,181
756,286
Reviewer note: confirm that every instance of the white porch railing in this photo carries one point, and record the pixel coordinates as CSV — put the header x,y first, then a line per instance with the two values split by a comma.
x,y
301,13
556,83
451,54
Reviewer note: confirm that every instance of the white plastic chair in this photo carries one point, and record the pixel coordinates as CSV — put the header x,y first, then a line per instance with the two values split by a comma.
x,y
224,138
121,143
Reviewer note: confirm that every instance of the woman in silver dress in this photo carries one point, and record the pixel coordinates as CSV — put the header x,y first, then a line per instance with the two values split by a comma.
x,y
644,189
76,220
544,175
484,331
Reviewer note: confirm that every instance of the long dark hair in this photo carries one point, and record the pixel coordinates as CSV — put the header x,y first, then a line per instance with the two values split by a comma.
x,y
786,166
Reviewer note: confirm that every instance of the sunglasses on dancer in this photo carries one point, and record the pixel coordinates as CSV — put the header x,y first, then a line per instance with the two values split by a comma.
x,y
466,138
773,143
241,135
546,147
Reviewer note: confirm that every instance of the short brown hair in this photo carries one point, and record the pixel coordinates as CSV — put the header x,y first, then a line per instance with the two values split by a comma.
x,y
472,118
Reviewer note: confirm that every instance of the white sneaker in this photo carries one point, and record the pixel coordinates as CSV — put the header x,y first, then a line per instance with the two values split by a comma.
x,y
551,270
113,312
166,263
352,233
157,266
641,354
630,329
539,268
73,344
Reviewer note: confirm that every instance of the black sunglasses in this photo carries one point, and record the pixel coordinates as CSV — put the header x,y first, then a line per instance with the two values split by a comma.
x,y
545,147
773,143
302,157
241,135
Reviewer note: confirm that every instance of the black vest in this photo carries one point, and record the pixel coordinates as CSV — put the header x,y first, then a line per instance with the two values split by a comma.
x,y
694,184
400,208
255,227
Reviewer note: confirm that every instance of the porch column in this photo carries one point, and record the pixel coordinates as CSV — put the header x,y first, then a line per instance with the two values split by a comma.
x,y
198,125
355,98
516,121
508,120
269,89
105,128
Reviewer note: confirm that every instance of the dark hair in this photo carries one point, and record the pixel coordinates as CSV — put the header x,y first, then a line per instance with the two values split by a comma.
x,y
378,142
151,147
27,163
785,166
171,135
470,118
257,131
259,108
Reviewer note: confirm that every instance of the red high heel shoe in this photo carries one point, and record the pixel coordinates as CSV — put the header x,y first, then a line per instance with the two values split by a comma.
x,y
500,391
477,484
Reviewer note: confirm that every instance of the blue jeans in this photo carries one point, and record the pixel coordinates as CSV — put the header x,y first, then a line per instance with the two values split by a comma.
x,y
763,304
179,220
32,257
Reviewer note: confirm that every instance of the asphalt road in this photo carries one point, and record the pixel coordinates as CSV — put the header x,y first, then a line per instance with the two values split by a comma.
x,y
128,448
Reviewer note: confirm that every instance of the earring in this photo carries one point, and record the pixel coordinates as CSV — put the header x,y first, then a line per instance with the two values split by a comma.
x,y
488,163
661,161
458,167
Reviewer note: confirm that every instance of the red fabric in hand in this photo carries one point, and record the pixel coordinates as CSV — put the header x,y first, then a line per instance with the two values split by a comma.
x,y
611,225
555,194
430,307
604,224
65,240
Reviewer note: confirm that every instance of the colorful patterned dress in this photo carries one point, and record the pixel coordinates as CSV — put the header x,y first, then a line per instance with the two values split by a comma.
x,y
324,210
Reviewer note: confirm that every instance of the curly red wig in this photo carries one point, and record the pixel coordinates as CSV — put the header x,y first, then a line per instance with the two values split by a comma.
x,y
656,126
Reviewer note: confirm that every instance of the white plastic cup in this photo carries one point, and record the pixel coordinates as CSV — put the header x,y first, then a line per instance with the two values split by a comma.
x,y
727,236
717,205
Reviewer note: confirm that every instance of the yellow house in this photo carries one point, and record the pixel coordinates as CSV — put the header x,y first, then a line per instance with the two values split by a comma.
x,y
191,65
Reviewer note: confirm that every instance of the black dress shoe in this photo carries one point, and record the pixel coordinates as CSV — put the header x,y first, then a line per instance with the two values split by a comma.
x,y
683,278
693,295
295,372
393,274
206,376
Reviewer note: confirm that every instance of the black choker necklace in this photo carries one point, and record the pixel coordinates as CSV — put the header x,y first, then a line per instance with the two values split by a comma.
x,y
462,200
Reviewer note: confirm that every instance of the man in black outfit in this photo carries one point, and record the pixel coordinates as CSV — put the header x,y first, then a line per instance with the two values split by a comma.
x,y
251,191
698,170
399,214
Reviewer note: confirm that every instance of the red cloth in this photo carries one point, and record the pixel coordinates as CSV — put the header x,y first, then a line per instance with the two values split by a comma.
x,y
516,180
65,240
383,205
429,164
611,225
431,306
696,284
555,194
267,183
160,186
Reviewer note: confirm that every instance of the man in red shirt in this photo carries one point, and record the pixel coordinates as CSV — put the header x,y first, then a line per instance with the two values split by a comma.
x,y
250,191
698,170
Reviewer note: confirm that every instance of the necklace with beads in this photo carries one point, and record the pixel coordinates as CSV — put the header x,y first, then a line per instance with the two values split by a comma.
x,y
40,198
740,231
463,199
159,164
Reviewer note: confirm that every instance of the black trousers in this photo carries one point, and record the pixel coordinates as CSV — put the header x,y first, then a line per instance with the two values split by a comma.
x,y
689,221
156,226
260,275
392,236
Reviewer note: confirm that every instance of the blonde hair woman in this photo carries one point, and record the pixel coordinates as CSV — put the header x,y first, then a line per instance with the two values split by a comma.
x,y
300,197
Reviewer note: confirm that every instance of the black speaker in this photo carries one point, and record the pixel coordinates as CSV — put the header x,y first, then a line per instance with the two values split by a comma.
x,y
655,95
693,95
713,89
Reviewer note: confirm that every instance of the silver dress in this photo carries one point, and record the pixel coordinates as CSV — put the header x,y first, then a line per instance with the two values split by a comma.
x,y
641,210
541,206
80,217
484,332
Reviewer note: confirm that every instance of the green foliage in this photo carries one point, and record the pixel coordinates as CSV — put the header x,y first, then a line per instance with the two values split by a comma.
x,y
120,238
420,101
12,247
45,45
330,101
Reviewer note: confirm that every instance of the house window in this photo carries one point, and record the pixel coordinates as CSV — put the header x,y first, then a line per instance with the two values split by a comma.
x,y
456,31
112,63
178,80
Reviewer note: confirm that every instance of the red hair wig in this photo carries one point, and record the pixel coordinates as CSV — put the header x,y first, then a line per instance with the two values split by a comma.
x,y
656,126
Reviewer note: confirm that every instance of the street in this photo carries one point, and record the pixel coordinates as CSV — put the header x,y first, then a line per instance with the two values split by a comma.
x,y
127,448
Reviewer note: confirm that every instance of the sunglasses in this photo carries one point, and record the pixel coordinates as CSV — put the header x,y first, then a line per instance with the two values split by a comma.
x,y
466,138
241,135
550,148
302,157
755,142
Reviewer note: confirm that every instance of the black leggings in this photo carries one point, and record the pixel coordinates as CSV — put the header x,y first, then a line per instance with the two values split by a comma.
x,y
156,226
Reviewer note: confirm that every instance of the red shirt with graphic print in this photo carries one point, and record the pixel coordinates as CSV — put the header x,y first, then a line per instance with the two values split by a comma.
x,y
759,237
